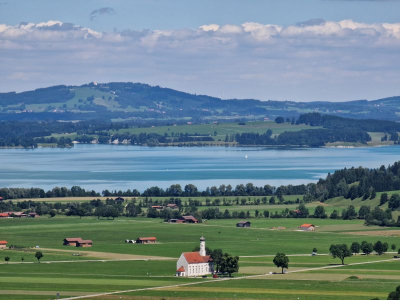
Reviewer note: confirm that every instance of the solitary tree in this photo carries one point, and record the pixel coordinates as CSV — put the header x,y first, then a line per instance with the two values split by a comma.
x,y
315,250
393,247
281,261
355,248
38,256
6,259
340,251
378,247
229,264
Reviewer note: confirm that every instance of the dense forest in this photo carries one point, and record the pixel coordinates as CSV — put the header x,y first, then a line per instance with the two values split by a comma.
x,y
335,129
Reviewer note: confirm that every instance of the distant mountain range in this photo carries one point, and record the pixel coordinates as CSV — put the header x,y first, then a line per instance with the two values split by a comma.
x,y
126,100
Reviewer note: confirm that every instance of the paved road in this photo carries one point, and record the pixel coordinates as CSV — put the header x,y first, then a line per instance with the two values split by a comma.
x,y
225,279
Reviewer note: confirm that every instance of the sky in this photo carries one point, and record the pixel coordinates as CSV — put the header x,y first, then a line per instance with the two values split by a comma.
x,y
300,50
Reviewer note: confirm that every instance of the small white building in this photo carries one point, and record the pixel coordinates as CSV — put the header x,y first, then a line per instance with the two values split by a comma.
x,y
195,263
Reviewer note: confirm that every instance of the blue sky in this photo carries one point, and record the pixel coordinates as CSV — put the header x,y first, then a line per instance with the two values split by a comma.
x,y
245,49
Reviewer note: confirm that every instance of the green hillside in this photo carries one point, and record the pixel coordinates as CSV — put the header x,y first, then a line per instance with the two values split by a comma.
x,y
125,100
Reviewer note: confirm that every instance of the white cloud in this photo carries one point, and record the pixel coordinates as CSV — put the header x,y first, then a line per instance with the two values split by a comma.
x,y
210,27
316,59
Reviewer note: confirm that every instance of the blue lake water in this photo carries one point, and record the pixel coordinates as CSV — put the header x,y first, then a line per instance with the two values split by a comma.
x,y
112,167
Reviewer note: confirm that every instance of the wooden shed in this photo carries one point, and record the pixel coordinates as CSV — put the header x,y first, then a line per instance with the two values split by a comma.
x,y
71,241
146,240
243,224
307,227
84,243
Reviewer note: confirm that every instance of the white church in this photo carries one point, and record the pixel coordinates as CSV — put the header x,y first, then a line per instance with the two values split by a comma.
x,y
195,263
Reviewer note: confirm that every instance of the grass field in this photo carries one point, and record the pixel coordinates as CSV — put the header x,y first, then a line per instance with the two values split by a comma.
x,y
222,129
90,274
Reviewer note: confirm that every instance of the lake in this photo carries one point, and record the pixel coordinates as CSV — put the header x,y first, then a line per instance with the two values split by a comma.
x,y
112,167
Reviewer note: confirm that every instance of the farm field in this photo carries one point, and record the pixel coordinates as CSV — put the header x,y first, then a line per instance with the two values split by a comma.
x,y
338,203
147,266
221,129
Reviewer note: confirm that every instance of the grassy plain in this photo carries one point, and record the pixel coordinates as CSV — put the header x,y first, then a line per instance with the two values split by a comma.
x,y
255,246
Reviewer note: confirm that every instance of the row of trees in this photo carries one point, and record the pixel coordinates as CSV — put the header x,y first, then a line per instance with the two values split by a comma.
x,y
342,251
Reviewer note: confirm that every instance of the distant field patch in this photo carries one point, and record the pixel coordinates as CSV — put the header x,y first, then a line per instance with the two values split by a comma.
x,y
392,233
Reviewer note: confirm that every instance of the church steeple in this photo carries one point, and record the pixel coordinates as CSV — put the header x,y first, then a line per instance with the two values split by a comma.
x,y
202,246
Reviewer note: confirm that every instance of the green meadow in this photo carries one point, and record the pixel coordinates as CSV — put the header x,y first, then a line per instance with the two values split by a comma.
x,y
147,266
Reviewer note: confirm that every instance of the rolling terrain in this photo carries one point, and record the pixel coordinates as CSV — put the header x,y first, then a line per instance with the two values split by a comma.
x,y
125,100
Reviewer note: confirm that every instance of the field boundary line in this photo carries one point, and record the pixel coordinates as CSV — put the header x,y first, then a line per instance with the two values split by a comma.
x,y
225,279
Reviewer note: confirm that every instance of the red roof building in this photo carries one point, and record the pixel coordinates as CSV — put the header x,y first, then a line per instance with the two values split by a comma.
x,y
146,240
189,219
307,227
3,244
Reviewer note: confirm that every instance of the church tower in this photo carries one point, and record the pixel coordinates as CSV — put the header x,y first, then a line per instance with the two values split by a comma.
x,y
202,246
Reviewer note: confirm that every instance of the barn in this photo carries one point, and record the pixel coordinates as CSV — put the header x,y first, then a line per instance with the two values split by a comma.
x,y
146,240
71,241
243,224
84,243
307,227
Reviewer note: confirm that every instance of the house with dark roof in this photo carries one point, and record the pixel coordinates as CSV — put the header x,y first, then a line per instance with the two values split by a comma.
x,y
33,215
146,240
77,242
71,241
243,224
84,243
119,200
195,263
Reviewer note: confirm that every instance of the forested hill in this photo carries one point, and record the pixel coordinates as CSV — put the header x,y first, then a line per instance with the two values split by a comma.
x,y
126,100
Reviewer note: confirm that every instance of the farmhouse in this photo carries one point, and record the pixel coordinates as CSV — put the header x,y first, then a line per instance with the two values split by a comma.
x,y
119,200
195,263
146,240
4,215
84,243
33,215
176,221
172,206
189,219
158,207
3,244
71,241
307,227
243,224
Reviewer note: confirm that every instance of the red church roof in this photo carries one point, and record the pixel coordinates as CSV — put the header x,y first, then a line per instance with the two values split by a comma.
x,y
196,258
